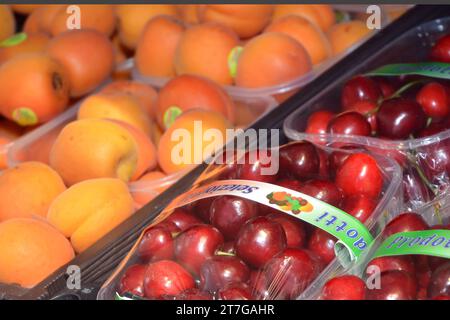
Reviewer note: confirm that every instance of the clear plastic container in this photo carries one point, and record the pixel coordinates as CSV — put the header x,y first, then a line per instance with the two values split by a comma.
x,y
413,46
436,212
389,202
258,101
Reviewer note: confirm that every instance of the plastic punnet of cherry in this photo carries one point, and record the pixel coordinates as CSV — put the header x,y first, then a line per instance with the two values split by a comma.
x,y
241,234
401,111
409,260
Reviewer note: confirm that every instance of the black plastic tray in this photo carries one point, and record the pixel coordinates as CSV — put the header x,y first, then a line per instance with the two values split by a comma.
x,y
99,261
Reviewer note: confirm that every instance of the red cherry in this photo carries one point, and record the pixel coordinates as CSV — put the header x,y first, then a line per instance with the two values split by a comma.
x,y
229,213
201,208
399,118
156,244
257,166
367,109
196,244
324,190
403,223
399,263
235,291
360,174
440,281
357,89
166,277
259,240
441,50
289,273
293,228
350,123
386,86
133,280
359,206
432,129
183,219
442,297
300,160
346,287
414,190
322,243
318,122
435,159
394,285
434,98
194,294
219,271
337,158
324,165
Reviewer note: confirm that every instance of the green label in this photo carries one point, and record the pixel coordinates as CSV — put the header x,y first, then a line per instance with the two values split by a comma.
x,y
233,57
25,117
429,242
14,40
428,69
171,114
350,232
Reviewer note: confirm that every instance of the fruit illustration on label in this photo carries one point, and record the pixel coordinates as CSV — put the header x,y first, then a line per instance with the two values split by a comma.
x,y
289,203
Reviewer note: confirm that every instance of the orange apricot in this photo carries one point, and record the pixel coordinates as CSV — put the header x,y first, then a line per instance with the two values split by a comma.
x,y
320,14
95,17
188,13
21,43
193,137
145,148
344,35
31,250
270,59
25,9
188,92
88,210
117,106
88,57
133,18
146,94
149,186
155,50
27,190
34,88
41,19
247,20
306,33
327,16
205,50
7,22
94,148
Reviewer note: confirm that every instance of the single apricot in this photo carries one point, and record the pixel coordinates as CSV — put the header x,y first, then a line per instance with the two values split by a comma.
x,y
344,35
27,190
25,9
146,94
145,147
88,57
133,18
188,92
7,22
306,33
247,20
206,50
193,137
149,186
271,59
320,14
118,106
21,43
94,17
34,88
31,250
41,19
155,50
188,13
94,148
90,209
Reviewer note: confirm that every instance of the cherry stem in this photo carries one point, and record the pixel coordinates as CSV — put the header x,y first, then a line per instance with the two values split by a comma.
x,y
398,93
422,176
223,253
